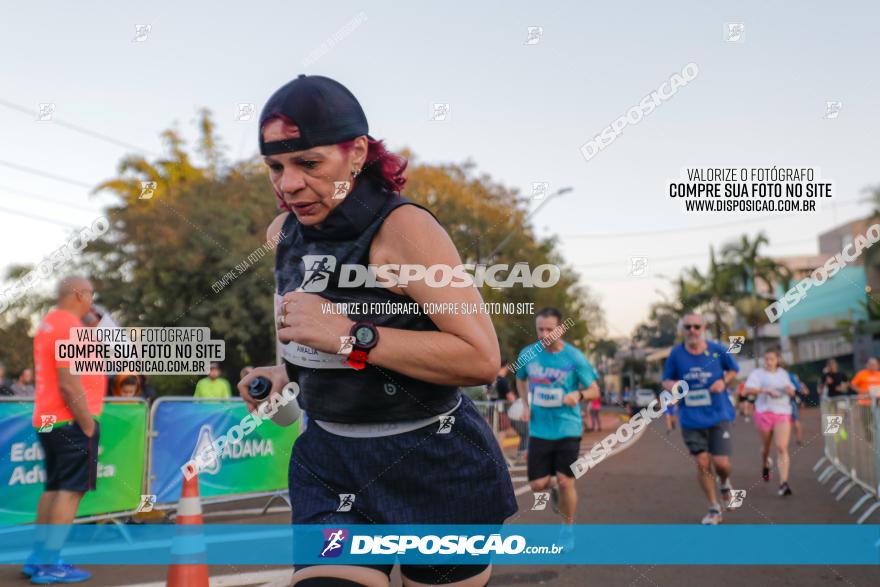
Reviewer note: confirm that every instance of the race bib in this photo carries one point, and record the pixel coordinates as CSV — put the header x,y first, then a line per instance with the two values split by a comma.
x,y
547,397
305,356
698,398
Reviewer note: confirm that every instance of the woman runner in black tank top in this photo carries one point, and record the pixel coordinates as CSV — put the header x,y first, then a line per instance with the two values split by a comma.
x,y
342,212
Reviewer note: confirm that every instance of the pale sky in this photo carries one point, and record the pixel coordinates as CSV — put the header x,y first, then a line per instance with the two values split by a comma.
x,y
519,111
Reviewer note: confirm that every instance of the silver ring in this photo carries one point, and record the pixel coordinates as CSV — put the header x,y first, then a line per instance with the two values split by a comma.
x,y
284,307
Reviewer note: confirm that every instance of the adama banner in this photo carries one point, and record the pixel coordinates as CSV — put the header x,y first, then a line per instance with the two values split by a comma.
x,y
256,463
121,457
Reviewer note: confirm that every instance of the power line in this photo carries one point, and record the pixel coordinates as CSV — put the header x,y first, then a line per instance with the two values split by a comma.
x,y
15,192
79,129
46,174
36,217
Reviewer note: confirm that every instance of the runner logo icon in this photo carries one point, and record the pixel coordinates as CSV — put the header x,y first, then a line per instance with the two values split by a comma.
x,y
340,189
346,500
541,500
736,344
832,424
333,540
737,496
318,270
147,503
47,423
446,423
346,345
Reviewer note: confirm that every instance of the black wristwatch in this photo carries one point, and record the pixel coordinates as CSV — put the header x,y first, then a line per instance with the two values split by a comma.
x,y
366,336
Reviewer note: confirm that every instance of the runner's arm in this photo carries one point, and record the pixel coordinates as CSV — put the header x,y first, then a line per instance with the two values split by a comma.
x,y
522,389
670,375
591,392
75,398
668,384
465,350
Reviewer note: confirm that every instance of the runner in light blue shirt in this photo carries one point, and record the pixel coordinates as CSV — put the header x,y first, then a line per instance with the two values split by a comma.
x,y
554,377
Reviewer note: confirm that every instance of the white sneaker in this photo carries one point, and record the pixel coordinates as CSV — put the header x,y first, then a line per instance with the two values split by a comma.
x,y
713,517
726,495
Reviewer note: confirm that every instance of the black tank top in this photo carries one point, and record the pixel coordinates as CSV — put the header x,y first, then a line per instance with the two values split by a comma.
x,y
311,258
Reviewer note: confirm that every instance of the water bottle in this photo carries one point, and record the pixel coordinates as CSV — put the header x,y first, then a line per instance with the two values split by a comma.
x,y
285,407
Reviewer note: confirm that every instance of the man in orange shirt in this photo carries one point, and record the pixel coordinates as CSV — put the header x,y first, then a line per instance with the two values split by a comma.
x,y
66,411
866,379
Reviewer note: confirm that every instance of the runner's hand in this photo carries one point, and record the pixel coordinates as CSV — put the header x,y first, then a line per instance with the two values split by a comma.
x,y
90,428
308,320
527,412
277,375
572,399
718,386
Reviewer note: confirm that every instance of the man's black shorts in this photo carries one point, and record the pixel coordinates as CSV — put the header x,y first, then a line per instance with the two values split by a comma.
x,y
552,457
715,440
71,458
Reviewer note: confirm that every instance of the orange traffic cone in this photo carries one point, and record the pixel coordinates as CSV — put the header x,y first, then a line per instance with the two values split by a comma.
x,y
188,567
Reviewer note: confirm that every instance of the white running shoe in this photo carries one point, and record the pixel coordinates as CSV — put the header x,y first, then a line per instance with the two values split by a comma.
x,y
713,517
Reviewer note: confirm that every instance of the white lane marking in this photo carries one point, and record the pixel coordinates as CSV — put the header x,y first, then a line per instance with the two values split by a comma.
x,y
262,578
520,490
245,512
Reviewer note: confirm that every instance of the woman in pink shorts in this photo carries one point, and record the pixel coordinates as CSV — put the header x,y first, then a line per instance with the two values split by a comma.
x,y
773,387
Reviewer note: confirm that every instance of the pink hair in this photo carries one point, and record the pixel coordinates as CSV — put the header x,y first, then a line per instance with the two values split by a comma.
x,y
381,164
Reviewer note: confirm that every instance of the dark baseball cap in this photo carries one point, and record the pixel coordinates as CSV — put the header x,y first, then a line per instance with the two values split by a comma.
x,y
323,109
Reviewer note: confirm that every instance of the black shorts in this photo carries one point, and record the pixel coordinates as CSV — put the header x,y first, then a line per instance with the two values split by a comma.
x,y
715,440
417,477
552,457
71,458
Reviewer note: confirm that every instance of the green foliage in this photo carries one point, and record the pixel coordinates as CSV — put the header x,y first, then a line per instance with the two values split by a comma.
x,y
730,284
161,260
479,214
16,352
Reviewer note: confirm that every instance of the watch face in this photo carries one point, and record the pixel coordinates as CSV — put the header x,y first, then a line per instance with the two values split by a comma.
x,y
364,335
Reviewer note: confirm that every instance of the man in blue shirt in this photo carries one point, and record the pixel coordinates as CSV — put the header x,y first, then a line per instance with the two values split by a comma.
x,y
705,412
552,378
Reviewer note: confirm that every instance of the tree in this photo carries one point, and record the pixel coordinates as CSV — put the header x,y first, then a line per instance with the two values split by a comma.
x,y
712,291
751,270
479,214
163,258
661,327
17,324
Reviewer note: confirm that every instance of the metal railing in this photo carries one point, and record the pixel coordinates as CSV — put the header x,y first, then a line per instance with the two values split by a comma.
x,y
495,414
850,430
